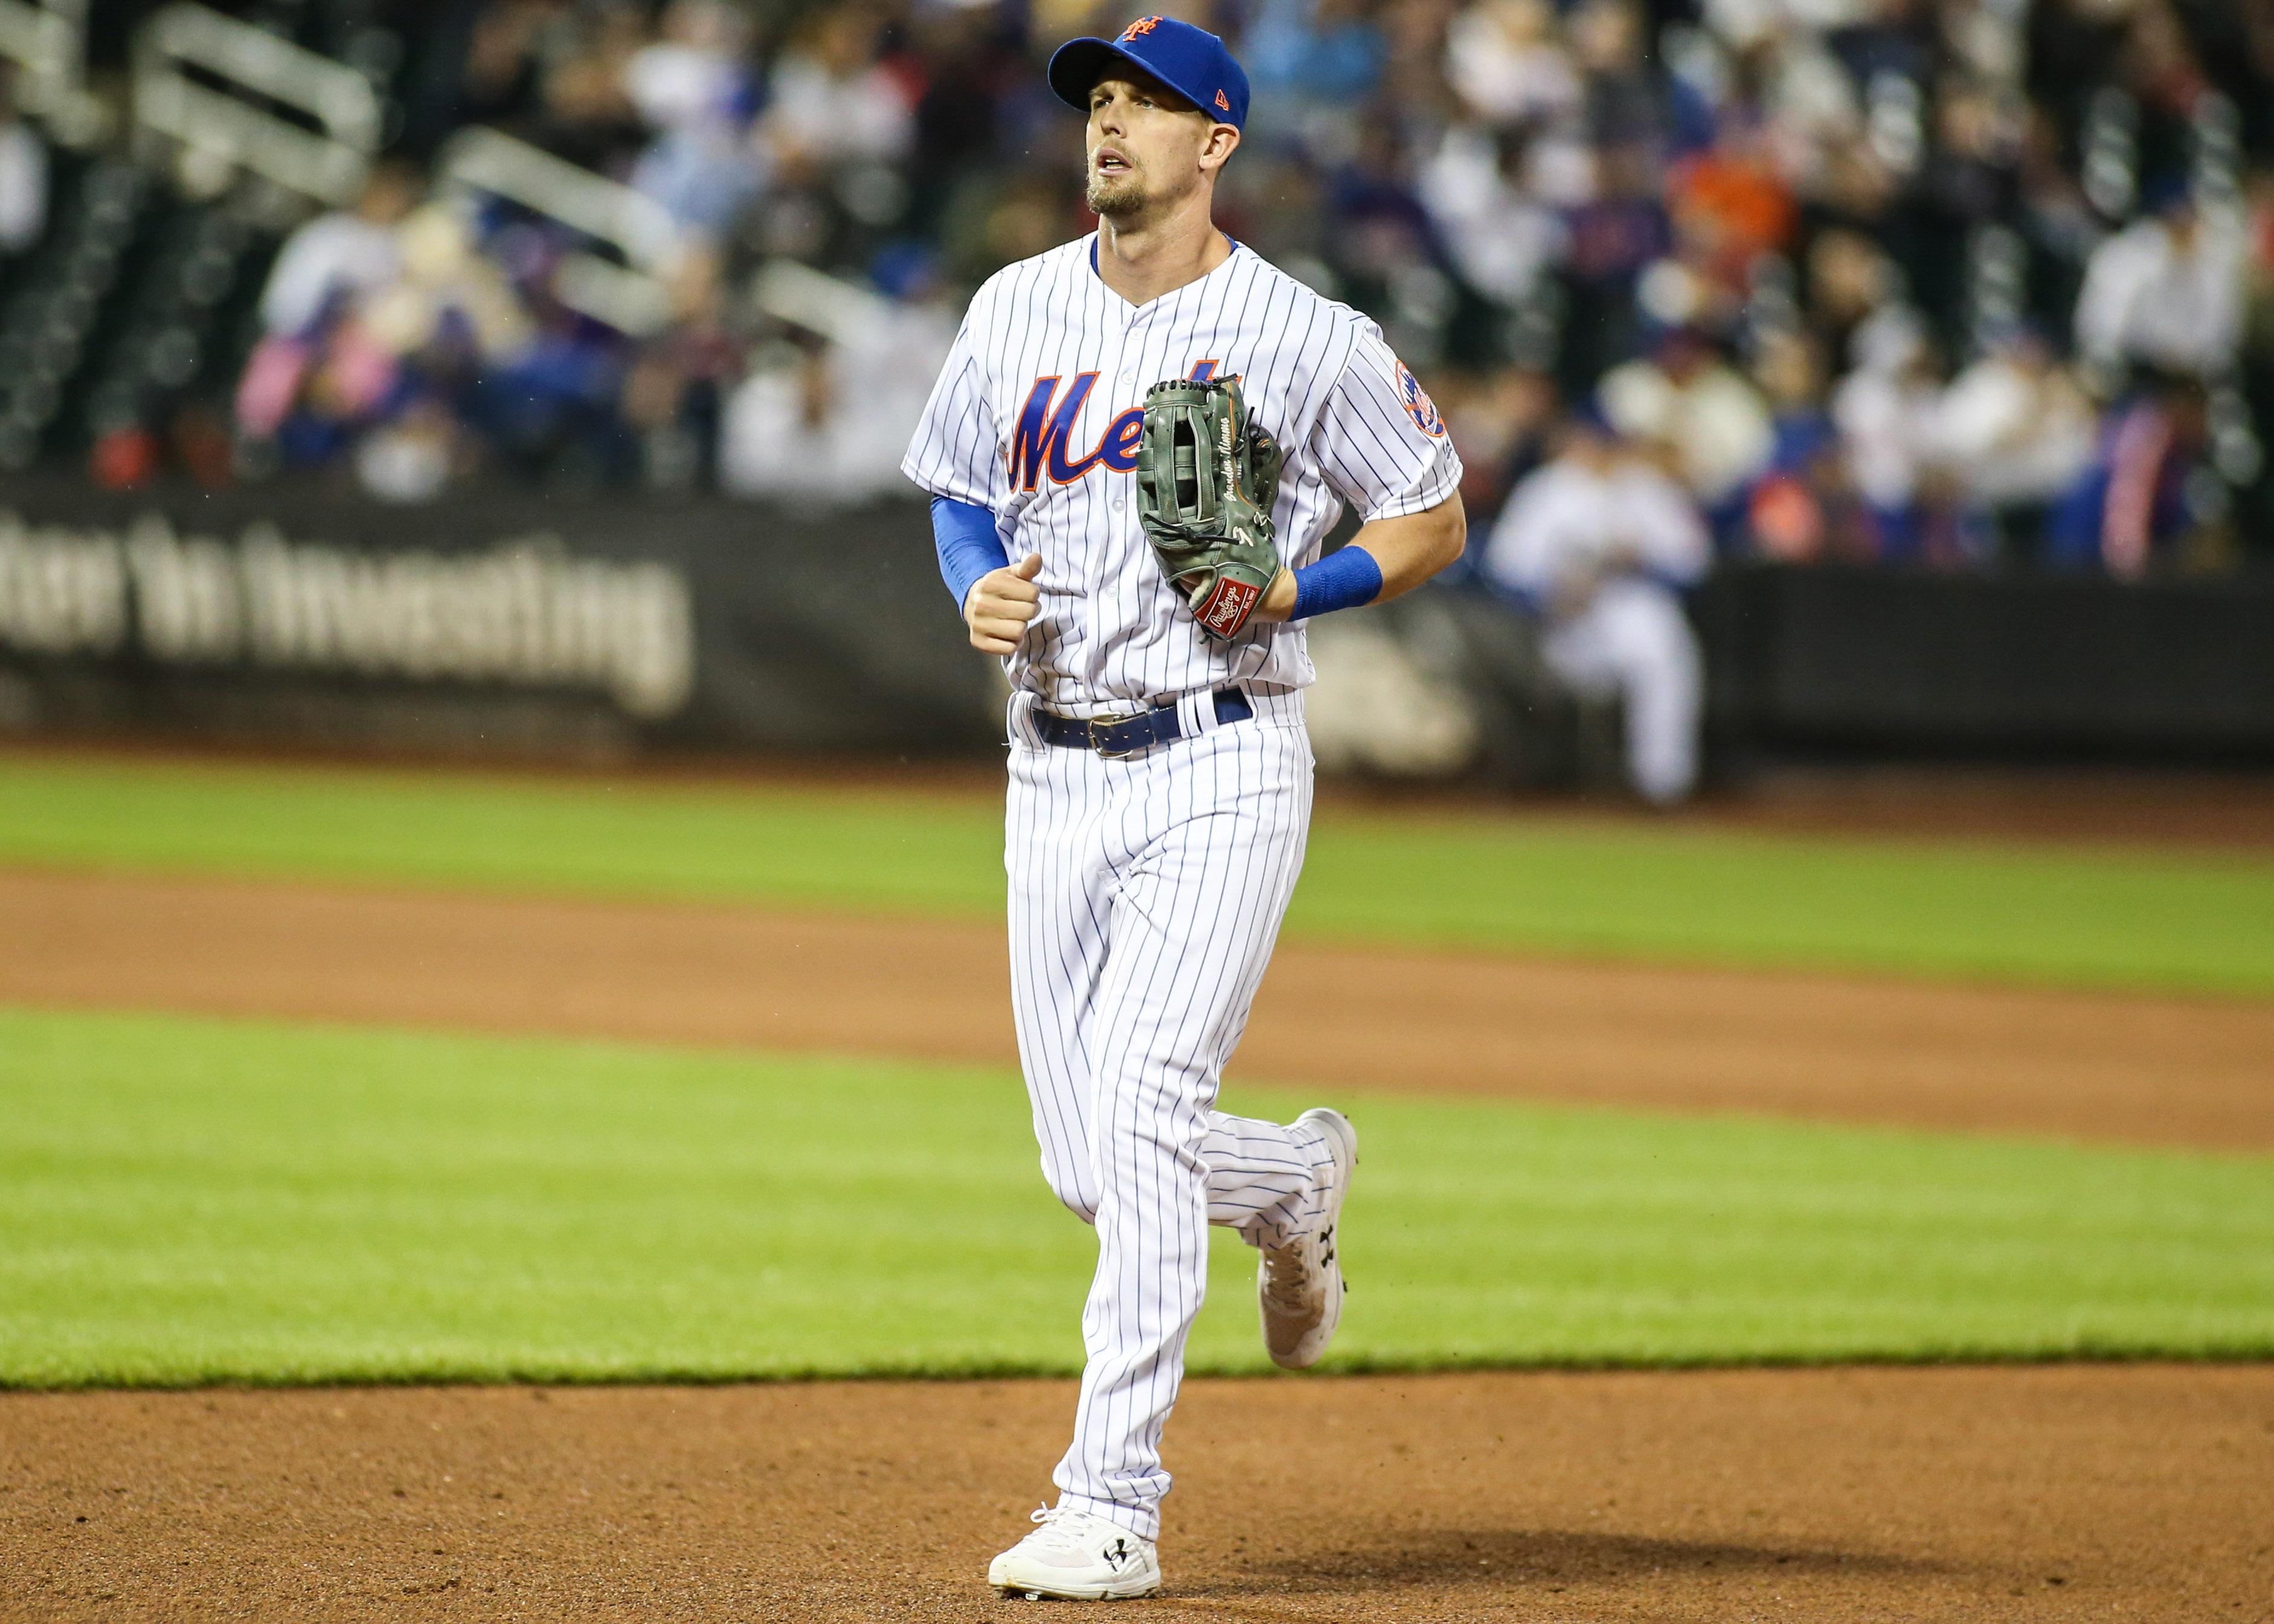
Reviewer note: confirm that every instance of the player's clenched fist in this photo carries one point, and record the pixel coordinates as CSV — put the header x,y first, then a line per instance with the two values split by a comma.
x,y
1001,603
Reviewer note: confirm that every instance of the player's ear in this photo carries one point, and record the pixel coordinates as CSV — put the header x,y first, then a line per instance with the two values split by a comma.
x,y
1222,140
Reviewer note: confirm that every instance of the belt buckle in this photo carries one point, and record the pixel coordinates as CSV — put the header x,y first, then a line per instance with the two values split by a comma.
x,y
1092,723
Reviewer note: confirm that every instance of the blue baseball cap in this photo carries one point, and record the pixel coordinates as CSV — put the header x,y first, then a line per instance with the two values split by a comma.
x,y
1190,61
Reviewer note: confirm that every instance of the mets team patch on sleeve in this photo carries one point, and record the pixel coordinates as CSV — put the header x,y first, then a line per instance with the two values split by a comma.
x,y
1419,406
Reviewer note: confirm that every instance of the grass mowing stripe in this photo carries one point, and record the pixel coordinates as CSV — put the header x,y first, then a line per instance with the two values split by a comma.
x,y
1694,894
466,830
2103,918
189,1200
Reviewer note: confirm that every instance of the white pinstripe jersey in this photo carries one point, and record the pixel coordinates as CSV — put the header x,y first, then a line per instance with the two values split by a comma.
x,y
1035,417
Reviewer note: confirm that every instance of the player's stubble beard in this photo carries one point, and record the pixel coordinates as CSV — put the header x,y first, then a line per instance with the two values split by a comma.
x,y
1128,202
1118,197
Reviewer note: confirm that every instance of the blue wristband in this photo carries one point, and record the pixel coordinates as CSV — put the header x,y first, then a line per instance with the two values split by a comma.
x,y
1340,581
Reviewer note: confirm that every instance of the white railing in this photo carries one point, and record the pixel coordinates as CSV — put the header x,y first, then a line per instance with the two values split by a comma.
x,y
220,131
631,297
815,301
48,44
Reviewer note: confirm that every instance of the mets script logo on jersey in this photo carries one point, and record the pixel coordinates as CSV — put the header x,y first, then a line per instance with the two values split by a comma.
x,y
1039,444
1144,25
1419,406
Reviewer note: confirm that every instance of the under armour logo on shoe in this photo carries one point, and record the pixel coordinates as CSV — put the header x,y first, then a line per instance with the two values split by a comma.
x,y
1117,1553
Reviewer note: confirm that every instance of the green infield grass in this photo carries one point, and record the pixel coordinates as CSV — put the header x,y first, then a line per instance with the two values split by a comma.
x,y
2094,916
188,1201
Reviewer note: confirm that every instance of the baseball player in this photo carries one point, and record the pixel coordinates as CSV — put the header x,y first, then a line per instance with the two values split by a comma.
x,y
1602,545
1137,444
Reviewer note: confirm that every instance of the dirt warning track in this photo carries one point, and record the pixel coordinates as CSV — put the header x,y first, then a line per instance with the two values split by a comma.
x,y
2092,1064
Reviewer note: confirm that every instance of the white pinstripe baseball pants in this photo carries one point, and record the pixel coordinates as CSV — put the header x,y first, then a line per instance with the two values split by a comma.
x,y
1145,895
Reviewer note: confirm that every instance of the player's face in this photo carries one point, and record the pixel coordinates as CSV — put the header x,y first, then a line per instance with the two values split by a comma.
x,y
1148,145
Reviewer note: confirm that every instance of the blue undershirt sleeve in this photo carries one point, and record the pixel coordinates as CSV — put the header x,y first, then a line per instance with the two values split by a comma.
x,y
964,532
1341,580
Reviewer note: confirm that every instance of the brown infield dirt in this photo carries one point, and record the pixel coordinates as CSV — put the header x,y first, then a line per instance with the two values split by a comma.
x,y
2065,1492
2056,1493
2186,1071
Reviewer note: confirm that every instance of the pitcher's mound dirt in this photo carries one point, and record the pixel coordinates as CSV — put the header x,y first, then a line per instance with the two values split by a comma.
x,y
2140,1493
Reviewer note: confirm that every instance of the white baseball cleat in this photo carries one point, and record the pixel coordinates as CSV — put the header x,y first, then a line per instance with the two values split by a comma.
x,y
1077,1556
1298,1286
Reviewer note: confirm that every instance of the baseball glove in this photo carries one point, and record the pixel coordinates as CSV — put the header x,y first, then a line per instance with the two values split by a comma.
x,y
1206,480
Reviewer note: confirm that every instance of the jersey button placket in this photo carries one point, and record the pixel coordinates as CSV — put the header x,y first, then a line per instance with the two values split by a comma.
x,y
1128,394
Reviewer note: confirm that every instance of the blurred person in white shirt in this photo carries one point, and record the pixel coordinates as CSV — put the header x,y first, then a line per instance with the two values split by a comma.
x,y
347,252
1503,238
1886,411
1600,545
803,431
1711,420
2015,427
2166,290
1507,61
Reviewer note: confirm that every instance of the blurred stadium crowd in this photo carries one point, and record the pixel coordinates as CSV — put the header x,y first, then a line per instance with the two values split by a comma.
x,y
1960,283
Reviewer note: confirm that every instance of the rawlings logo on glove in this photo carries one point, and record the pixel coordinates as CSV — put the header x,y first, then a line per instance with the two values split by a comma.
x,y
1206,480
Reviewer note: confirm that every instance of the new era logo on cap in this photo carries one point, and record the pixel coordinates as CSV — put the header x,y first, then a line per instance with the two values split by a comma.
x,y
1190,61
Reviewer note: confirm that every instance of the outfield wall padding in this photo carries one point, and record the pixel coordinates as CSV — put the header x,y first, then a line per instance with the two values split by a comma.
x,y
512,622
566,625
2022,664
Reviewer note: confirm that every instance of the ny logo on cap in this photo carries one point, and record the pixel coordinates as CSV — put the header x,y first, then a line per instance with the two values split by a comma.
x,y
1144,25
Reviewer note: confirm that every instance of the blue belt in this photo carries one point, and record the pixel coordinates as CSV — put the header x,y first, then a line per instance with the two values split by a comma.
x,y
1115,736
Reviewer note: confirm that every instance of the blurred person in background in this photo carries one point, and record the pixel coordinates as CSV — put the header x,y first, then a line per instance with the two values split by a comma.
x,y
2256,514
1803,509
832,101
1704,416
1886,410
1848,277
1731,206
2149,496
23,173
343,254
548,408
801,430
1386,249
2167,291
967,59
1599,545
1504,240
676,389
1306,54
405,357
1502,425
585,112
1616,230
1628,99
2016,429
693,87
1506,60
